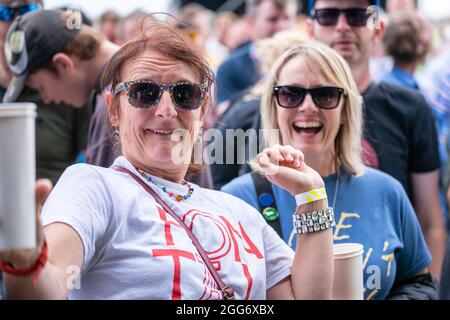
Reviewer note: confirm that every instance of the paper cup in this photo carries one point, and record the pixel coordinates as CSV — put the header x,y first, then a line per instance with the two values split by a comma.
x,y
17,176
348,271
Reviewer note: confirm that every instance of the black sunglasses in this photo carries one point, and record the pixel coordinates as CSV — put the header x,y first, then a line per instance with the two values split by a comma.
x,y
356,17
146,94
293,96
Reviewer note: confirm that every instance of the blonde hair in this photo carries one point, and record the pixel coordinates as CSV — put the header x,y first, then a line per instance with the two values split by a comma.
x,y
268,50
324,61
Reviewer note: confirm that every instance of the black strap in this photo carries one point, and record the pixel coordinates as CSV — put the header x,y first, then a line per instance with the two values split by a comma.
x,y
264,188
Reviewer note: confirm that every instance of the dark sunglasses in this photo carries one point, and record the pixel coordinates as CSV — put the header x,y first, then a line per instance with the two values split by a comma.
x,y
356,17
293,96
146,94
8,14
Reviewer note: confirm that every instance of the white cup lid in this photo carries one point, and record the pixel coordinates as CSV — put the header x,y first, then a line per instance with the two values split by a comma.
x,y
347,250
24,109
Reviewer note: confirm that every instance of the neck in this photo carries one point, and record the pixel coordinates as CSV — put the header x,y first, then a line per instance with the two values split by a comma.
x,y
93,66
407,67
175,174
323,163
362,76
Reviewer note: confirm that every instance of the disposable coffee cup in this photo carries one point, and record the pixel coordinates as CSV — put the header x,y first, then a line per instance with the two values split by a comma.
x,y
17,176
348,271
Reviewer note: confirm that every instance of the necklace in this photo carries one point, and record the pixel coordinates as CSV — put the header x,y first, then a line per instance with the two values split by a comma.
x,y
336,189
177,197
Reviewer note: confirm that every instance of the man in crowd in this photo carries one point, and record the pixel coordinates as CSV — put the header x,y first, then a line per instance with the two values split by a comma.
x,y
61,131
399,129
64,66
239,71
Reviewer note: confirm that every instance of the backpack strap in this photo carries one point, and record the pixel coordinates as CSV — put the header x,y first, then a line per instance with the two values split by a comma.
x,y
266,201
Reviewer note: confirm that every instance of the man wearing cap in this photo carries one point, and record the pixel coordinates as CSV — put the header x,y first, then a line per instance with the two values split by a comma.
x,y
61,131
399,127
63,65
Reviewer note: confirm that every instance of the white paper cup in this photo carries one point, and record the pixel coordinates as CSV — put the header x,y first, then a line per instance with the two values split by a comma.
x,y
348,271
17,176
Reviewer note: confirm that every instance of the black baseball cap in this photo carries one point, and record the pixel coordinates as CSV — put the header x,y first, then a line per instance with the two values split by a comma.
x,y
32,40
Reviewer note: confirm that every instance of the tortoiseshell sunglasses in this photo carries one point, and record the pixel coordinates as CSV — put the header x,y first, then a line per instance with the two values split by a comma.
x,y
145,94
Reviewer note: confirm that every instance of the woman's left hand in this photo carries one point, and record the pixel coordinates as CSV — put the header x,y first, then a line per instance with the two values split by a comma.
x,y
286,167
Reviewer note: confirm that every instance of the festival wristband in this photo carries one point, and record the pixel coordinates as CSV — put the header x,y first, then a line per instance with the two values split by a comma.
x,y
310,196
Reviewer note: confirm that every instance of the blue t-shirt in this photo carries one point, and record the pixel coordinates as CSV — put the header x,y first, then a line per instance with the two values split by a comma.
x,y
373,210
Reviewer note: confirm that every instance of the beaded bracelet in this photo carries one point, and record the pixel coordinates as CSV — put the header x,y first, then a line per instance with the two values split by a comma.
x,y
314,221
35,269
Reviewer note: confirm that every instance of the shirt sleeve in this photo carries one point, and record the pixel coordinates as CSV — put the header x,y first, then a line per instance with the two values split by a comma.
x,y
81,201
425,153
279,257
414,256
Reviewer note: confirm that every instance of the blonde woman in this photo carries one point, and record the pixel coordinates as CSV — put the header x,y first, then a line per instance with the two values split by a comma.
x,y
312,100
243,111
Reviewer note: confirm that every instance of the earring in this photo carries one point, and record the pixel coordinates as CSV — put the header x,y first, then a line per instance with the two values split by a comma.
x,y
116,135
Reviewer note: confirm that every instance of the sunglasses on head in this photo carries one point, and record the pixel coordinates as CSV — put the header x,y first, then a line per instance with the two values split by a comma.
x,y
8,14
293,96
146,94
356,17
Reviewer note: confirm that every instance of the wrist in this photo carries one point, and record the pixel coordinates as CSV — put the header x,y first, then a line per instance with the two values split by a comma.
x,y
308,187
34,270
24,262
313,206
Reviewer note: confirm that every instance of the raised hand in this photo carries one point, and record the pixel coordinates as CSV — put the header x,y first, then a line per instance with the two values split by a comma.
x,y
285,166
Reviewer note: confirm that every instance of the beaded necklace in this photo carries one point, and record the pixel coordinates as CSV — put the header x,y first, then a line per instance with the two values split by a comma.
x,y
176,197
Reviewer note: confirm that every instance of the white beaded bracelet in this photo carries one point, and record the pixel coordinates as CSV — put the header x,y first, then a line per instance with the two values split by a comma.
x,y
314,221
310,196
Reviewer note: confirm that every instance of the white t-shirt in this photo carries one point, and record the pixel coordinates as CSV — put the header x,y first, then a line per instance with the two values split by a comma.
x,y
133,249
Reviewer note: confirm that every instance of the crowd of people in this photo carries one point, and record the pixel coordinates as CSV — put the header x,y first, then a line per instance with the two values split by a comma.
x,y
334,103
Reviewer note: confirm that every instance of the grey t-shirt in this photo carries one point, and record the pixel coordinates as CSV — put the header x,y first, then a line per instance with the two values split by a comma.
x,y
101,149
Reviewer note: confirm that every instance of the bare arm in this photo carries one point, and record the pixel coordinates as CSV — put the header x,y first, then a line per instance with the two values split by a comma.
x,y
425,188
311,278
64,249
312,267
448,197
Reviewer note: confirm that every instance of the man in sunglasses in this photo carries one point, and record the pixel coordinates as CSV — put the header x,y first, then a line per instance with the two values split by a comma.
x,y
400,134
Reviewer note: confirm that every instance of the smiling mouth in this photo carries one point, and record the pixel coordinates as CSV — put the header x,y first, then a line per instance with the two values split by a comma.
x,y
162,132
308,128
